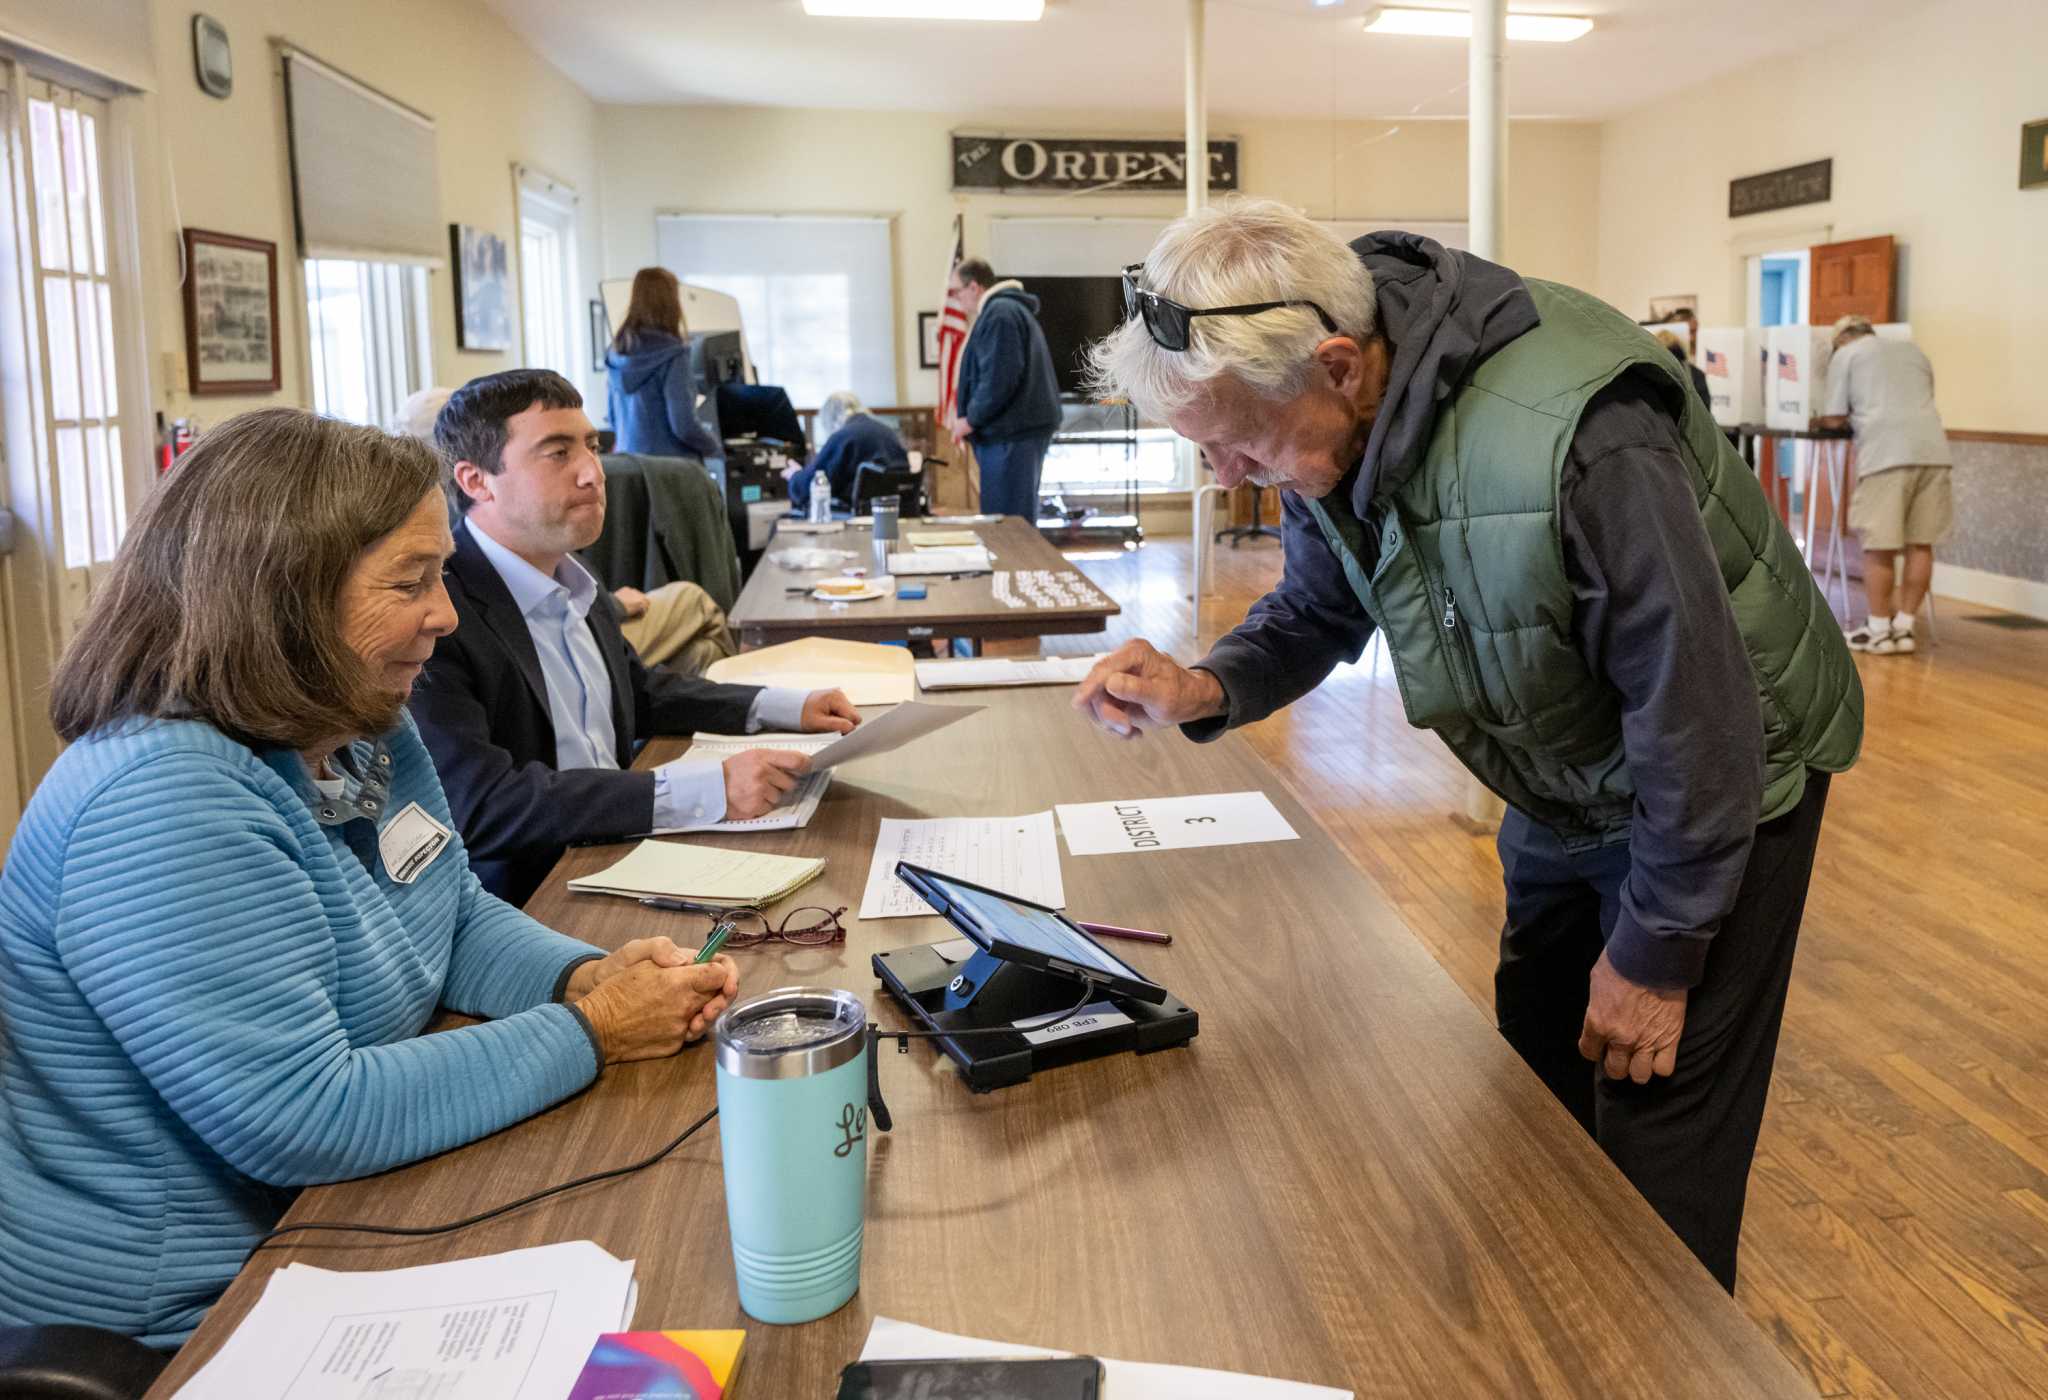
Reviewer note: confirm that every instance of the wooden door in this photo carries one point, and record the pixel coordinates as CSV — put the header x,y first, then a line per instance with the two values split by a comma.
x,y
1851,279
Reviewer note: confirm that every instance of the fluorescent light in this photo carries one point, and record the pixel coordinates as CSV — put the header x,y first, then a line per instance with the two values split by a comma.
x,y
927,9
1457,24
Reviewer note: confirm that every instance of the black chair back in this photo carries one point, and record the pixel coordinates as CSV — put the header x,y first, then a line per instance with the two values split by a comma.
x,y
872,479
66,1362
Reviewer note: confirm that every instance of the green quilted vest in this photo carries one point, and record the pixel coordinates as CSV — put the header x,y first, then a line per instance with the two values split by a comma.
x,y
1470,591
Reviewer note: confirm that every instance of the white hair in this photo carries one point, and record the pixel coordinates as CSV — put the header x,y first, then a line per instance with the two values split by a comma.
x,y
415,417
1233,253
839,407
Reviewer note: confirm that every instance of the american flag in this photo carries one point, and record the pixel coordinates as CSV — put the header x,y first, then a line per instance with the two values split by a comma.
x,y
952,332
1717,365
1788,365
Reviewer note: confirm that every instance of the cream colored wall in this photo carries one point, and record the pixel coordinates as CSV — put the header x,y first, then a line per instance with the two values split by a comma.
x,y
1922,118
494,101
794,160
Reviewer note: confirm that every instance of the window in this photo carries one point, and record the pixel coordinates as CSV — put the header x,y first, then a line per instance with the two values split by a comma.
x,y
367,322
547,274
817,296
72,393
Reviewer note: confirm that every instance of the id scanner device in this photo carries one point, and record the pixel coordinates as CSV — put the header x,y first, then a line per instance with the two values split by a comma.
x,y
1029,963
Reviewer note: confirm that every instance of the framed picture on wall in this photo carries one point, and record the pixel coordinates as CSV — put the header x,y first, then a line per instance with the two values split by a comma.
x,y
2034,154
927,340
1664,308
483,289
230,314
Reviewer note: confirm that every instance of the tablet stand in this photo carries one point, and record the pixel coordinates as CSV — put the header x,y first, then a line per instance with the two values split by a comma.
x,y
983,992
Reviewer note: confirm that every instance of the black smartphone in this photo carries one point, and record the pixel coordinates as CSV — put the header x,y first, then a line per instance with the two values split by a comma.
x,y
1049,1378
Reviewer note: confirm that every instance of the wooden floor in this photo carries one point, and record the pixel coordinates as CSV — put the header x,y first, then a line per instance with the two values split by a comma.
x,y
1896,1242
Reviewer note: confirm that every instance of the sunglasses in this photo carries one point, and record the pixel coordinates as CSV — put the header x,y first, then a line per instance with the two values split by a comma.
x,y
1170,324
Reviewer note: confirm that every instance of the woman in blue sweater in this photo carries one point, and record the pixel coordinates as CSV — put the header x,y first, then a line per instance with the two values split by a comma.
x,y
653,379
237,898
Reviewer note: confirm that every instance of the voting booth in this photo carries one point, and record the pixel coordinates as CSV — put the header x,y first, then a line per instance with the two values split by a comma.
x,y
1797,378
1732,358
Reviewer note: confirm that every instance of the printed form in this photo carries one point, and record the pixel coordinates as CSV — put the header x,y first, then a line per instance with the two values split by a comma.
x,y
1012,855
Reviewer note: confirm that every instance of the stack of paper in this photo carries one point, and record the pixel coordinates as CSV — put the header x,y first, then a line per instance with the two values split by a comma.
x,y
990,672
940,539
515,1326
890,1340
1011,855
967,559
702,873
869,673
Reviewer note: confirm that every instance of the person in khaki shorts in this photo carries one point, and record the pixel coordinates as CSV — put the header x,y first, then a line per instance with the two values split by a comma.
x,y
1883,390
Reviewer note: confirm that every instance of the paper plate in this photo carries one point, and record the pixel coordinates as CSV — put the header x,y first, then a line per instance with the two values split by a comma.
x,y
853,590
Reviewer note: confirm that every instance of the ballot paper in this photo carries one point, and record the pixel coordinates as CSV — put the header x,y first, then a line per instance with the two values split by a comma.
x,y
891,730
973,559
514,1326
890,1340
707,874
795,808
991,672
1172,823
869,673
1014,855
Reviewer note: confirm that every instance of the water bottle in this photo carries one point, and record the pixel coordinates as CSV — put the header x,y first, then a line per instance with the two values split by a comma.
x,y
821,499
792,1123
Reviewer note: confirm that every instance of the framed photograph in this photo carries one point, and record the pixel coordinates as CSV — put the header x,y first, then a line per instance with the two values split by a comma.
x,y
2034,154
230,314
600,333
483,289
1664,308
927,340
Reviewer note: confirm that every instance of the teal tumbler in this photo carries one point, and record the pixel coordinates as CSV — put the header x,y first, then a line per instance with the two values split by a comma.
x,y
792,1122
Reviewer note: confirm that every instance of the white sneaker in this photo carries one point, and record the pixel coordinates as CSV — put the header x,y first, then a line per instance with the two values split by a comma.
x,y
1902,638
1873,636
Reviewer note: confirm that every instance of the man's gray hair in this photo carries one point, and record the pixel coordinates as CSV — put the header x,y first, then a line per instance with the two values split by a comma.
x,y
1852,325
1239,251
840,407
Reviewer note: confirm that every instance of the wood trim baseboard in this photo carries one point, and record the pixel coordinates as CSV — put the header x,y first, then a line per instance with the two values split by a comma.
x,y
2016,439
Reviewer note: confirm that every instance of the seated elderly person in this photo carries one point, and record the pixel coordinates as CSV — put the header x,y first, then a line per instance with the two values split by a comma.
x,y
237,898
851,436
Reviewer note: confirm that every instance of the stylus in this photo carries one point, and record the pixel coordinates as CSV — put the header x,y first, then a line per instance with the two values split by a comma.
x,y
1136,935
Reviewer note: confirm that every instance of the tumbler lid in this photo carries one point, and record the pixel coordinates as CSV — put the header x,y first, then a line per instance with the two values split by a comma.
x,y
791,1032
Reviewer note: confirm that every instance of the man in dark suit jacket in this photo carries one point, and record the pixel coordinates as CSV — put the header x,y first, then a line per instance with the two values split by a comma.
x,y
534,707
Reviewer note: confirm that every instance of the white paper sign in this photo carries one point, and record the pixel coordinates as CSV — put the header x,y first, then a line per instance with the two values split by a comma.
x,y
1171,823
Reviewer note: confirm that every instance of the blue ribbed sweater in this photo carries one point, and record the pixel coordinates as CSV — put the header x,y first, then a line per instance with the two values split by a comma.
x,y
208,999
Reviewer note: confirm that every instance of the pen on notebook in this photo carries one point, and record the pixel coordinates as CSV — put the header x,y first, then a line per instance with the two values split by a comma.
x,y
1136,935
686,906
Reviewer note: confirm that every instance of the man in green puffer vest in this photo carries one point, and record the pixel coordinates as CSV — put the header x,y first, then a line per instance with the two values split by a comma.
x,y
1586,596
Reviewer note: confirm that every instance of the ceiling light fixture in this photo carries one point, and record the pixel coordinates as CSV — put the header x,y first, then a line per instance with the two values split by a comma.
x,y
927,9
1457,24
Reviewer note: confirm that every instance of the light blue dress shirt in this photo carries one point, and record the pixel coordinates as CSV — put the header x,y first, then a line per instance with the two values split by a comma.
x,y
557,612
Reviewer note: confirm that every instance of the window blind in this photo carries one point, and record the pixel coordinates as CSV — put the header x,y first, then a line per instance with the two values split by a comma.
x,y
365,173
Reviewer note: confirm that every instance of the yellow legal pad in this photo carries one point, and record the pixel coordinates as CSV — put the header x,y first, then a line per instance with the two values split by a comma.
x,y
706,873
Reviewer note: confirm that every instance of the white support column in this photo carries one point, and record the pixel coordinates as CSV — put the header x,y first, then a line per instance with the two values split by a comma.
x,y
1198,111
1486,175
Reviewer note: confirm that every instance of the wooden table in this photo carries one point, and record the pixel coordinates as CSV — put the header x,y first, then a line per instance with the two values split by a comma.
x,y
966,607
1346,1178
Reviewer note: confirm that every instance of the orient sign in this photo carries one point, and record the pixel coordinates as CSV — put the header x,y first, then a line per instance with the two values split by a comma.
x,y
1084,163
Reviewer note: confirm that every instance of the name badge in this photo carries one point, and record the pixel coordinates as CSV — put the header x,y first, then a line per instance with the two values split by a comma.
x,y
409,842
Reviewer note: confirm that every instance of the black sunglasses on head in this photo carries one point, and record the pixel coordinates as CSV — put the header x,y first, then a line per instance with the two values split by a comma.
x,y
1170,324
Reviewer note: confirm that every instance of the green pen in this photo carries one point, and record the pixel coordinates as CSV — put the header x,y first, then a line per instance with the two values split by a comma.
x,y
719,933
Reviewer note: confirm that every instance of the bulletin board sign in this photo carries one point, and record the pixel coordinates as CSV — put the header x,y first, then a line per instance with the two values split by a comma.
x,y
2034,154
1811,183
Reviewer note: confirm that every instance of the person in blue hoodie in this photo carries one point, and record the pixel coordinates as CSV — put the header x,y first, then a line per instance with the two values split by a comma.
x,y
1009,397
852,437
653,375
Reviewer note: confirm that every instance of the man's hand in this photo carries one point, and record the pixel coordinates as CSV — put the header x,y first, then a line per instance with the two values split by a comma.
x,y
1137,687
756,779
962,430
632,600
589,976
829,712
1632,1031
